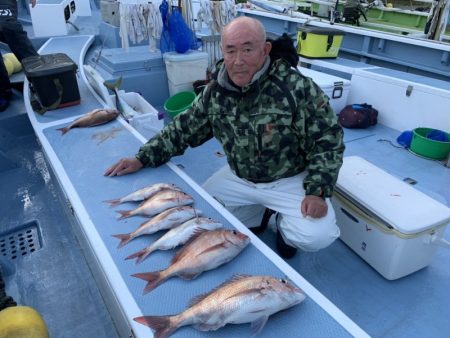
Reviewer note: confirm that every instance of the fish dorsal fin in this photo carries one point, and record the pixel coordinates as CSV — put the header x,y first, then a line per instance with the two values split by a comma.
x,y
233,279
185,247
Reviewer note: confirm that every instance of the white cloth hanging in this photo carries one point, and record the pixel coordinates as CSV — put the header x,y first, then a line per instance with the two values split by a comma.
x,y
139,21
123,31
216,14
154,26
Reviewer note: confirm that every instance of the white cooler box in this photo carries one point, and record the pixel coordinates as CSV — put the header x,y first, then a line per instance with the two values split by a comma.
x,y
335,87
184,69
392,226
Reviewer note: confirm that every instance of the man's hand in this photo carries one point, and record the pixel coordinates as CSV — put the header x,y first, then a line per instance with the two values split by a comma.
x,y
33,3
123,167
314,206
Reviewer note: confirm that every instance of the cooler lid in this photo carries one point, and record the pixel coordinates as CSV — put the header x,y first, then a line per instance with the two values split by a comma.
x,y
399,204
136,58
190,55
324,80
47,64
321,30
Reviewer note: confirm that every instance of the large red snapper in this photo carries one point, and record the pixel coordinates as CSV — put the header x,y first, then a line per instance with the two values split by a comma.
x,y
243,299
207,251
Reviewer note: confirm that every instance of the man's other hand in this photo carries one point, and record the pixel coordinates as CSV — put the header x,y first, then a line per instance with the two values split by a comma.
x,y
314,206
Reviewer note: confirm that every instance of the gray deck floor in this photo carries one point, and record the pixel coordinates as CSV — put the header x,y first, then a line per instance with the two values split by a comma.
x,y
55,279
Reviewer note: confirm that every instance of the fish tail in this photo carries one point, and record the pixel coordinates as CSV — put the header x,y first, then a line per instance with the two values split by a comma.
x,y
162,326
153,279
112,86
140,255
125,213
113,202
63,130
124,239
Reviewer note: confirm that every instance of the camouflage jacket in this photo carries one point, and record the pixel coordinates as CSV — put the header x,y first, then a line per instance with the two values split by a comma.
x,y
277,126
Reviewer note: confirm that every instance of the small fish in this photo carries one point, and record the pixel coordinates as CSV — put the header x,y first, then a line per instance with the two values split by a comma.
x,y
177,236
159,202
143,194
204,252
243,299
91,119
168,219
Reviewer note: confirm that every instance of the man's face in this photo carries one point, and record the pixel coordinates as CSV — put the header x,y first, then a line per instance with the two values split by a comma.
x,y
244,52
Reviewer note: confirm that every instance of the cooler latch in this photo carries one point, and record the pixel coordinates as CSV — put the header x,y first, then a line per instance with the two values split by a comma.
x,y
329,42
338,89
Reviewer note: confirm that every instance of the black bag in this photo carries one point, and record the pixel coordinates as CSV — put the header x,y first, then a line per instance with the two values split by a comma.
x,y
358,116
283,48
53,82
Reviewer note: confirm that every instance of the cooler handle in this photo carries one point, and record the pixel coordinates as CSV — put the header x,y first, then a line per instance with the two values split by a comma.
x,y
337,90
329,42
439,241
349,215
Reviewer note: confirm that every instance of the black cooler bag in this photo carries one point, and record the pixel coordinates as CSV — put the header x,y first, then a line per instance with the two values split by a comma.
x,y
53,82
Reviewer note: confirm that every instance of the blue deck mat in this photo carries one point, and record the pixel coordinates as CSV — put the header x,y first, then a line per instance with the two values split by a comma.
x,y
85,154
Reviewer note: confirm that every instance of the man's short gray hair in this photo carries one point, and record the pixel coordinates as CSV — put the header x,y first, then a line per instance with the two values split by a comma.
x,y
256,23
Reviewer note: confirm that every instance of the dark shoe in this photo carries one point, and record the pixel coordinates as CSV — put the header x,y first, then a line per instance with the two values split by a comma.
x,y
284,250
264,222
3,104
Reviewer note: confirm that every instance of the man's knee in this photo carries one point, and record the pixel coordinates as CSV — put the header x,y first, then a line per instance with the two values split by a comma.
x,y
312,238
318,242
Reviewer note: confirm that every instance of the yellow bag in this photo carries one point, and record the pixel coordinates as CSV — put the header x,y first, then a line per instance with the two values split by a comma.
x,y
22,322
12,64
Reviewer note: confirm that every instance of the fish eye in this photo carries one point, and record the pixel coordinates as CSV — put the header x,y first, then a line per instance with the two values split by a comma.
x,y
283,281
234,232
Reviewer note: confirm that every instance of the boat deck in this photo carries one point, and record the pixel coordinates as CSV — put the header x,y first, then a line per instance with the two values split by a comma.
x,y
345,295
49,273
80,157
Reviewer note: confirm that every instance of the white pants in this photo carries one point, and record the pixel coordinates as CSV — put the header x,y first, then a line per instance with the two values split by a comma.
x,y
247,201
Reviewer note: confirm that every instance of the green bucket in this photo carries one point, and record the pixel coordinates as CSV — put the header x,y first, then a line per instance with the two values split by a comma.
x,y
179,103
422,145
